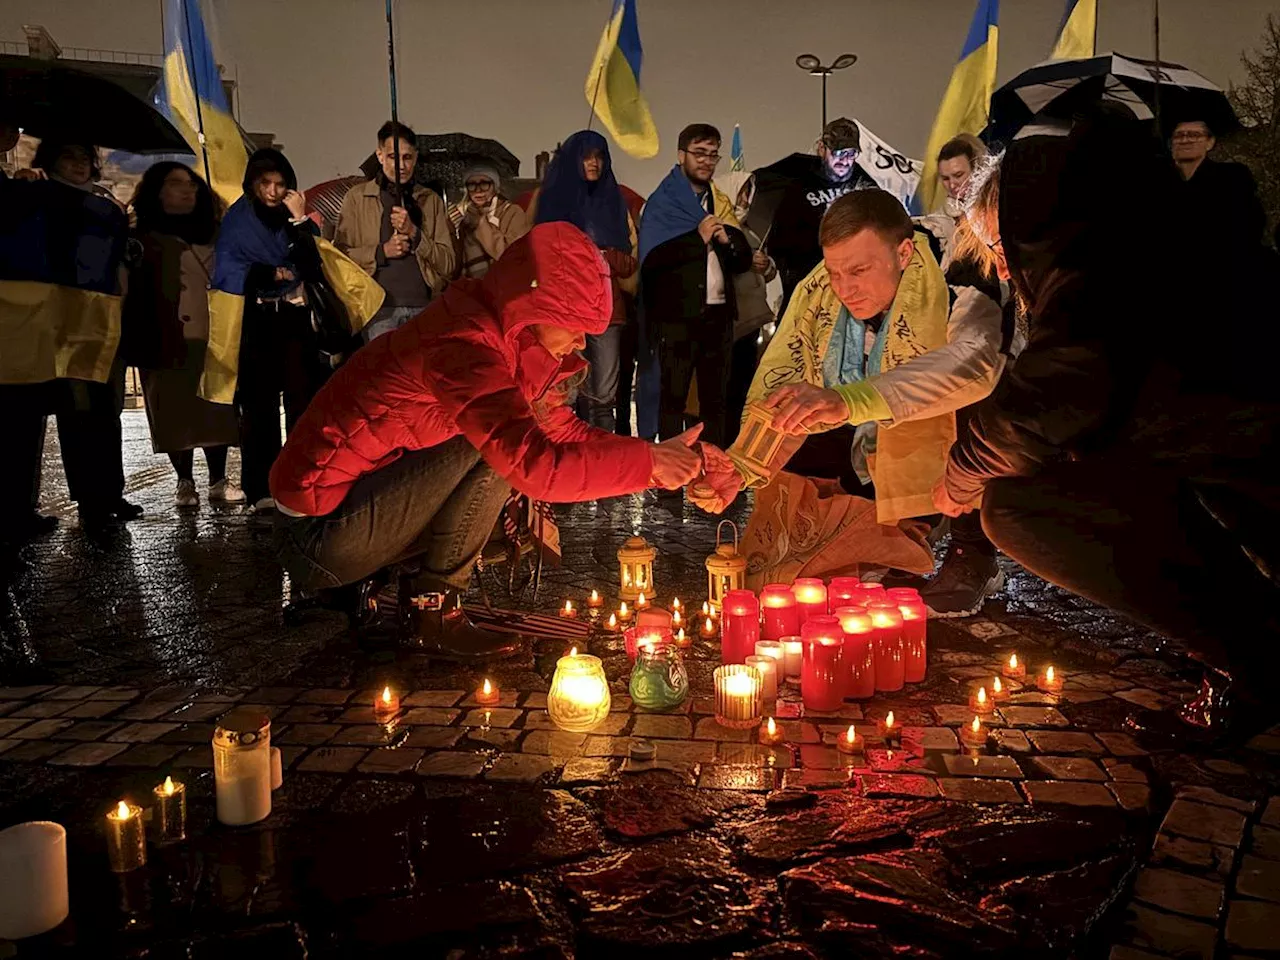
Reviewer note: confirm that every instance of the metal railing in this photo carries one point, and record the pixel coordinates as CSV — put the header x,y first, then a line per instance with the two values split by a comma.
x,y
19,48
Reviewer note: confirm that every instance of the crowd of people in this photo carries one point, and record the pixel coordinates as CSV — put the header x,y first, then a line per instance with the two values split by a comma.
x,y
1032,369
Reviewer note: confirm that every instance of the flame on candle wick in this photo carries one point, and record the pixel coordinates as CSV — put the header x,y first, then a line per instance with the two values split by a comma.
x,y
850,735
386,695
888,721
1013,661
675,604
771,727
622,610
996,685
982,695
168,786
1048,674
568,606
976,725
680,635
123,812
640,601
487,688
709,625
573,651
594,596
675,617
613,620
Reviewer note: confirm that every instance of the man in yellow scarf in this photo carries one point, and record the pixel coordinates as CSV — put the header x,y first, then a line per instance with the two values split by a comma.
x,y
871,360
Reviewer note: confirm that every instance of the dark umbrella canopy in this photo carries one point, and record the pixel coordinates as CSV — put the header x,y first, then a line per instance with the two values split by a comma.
x,y
446,157
772,183
45,99
1059,89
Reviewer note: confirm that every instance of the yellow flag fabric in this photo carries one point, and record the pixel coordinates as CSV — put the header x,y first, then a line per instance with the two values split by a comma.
x,y
358,291
1077,37
613,84
966,104
51,332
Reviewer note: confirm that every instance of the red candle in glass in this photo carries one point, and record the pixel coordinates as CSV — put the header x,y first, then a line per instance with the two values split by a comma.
x,y
781,613
822,668
811,595
886,622
638,636
868,593
739,626
898,594
840,591
915,618
859,653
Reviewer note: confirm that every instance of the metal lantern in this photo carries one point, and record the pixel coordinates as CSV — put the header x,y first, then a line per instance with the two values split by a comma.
x,y
635,569
726,568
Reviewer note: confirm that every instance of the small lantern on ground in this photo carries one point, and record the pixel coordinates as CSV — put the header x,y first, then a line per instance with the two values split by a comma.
x,y
726,568
635,569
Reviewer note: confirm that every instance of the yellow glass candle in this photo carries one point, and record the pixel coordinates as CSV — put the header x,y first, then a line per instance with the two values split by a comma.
x,y
126,838
170,820
579,696
739,700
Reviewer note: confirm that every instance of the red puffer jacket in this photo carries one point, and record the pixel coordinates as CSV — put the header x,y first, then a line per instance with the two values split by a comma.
x,y
470,365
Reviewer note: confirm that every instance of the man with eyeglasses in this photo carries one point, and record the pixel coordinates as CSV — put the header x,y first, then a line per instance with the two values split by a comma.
x,y
793,237
405,246
690,249
485,223
1220,196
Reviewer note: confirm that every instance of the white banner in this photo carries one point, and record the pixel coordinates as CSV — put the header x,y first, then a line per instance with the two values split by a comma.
x,y
891,170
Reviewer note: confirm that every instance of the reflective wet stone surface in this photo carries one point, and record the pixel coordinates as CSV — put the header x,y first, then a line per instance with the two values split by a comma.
x,y
463,831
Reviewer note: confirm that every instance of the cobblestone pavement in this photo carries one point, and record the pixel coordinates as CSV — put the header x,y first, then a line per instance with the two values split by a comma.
x,y
466,832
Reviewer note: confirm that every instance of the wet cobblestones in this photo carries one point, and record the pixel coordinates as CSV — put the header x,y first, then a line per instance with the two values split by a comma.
x,y
484,832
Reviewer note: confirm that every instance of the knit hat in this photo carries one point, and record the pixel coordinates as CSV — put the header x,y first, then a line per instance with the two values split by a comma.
x,y
482,170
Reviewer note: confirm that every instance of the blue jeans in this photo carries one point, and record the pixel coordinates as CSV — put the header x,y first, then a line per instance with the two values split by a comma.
x,y
388,319
597,399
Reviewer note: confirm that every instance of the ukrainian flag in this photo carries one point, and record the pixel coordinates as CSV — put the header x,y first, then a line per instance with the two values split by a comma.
x,y
191,95
966,103
736,158
613,84
1078,35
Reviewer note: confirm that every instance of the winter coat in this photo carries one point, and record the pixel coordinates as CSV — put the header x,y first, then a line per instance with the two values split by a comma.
x,y
360,228
1120,360
469,365
480,239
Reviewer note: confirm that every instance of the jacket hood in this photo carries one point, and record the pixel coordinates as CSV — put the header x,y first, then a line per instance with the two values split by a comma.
x,y
1078,199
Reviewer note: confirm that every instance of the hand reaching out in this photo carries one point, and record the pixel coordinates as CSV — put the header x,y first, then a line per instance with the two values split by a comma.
x,y
674,463
720,481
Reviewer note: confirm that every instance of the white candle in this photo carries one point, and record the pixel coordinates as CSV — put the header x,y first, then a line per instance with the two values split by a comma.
x,y
768,668
33,878
794,652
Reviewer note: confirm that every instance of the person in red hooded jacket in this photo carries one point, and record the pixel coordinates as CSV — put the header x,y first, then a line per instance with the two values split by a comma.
x,y
406,456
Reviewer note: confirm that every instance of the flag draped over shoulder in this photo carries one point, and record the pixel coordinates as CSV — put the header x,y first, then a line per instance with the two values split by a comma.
x,y
673,209
1078,34
613,84
192,96
965,104
60,255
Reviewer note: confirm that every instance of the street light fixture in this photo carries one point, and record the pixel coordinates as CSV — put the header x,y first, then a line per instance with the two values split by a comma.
x,y
813,66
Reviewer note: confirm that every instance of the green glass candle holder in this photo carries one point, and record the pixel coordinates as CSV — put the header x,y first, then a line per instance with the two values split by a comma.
x,y
659,680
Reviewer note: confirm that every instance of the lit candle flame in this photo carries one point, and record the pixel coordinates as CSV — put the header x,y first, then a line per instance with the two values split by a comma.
x,y
997,686
976,725
168,786
888,721
706,609
1013,661
982,695
595,597
568,606
573,651
622,610
123,812
850,735
675,604
487,688
771,727
680,635
1048,674
709,625
675,618
386,695
613,620
626,578
640,600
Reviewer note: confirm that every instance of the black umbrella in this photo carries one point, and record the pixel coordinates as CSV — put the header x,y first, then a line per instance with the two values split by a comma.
x,y
1060,88
44,99
446,157
772,183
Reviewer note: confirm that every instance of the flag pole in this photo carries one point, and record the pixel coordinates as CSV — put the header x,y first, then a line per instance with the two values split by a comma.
x,y
1156,31
195,89
595,94
395,119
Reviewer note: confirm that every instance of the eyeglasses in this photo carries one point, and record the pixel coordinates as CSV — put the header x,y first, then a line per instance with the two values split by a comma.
x,y
997,246
849,153
1188,136
702,155
479,184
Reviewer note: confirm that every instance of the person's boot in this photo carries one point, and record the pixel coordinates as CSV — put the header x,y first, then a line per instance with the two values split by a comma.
x,y
965,579
437,624
1221,714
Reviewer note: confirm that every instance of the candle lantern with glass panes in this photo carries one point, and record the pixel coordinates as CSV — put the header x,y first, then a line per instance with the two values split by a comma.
x,y
726,568
635,569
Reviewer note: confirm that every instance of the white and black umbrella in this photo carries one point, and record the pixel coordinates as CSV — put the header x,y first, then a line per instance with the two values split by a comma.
x,y
1058,89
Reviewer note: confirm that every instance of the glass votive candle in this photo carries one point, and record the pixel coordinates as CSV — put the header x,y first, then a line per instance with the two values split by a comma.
x,y
739,703
568,611
780,614
1014,668
793,658
999,690
682,639
980,703
886,622
811,595
595,601
638,637
822,670
625,613
899,594
659,680
770,733
579,696
859,652
890,730
386,705
642,602
849,741
488,694
1050,681
915,621
974,735
170,819
869,593
773,648
126,838
841,591
768,668
739,626
708,629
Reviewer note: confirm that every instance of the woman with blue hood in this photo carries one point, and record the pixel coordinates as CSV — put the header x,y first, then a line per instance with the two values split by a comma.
x,y
580,188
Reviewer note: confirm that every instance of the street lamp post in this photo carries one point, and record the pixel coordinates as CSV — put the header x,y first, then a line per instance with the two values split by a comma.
x,y
813,66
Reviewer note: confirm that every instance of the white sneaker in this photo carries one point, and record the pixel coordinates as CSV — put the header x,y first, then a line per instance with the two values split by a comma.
x,y
225,492
264,505
185,495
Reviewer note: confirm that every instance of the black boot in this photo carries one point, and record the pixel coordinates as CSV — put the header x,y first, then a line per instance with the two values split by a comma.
x,y
436,624
1222,714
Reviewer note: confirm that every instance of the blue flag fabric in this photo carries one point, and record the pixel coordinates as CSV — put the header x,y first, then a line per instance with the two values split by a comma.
x,y
673,209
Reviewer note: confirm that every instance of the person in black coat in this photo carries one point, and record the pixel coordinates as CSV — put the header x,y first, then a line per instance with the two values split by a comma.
x,y
1216,196
687,288
1127,454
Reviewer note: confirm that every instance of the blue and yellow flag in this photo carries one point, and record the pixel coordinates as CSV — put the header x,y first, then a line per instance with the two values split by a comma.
x,y
967,101
191,95
1078,35
736,158
613,84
